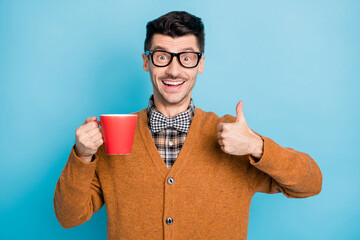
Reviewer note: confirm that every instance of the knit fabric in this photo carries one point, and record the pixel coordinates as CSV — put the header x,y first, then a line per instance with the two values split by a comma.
x,y
207,193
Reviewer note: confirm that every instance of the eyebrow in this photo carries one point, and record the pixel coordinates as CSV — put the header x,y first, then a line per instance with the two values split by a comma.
x,y
181,50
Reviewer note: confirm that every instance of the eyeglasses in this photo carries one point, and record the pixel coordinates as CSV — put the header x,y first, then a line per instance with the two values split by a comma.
x,y
163,58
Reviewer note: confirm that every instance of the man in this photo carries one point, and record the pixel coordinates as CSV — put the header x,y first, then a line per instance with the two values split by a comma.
x,y
191,174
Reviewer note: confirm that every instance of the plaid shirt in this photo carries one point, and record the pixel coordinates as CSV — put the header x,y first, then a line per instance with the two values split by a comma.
x,y
169,141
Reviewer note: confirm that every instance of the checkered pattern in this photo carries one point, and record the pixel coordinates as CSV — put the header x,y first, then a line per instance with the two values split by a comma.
x,y
159,122
169,134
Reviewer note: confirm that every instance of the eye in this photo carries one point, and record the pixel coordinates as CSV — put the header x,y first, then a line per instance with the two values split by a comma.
x,y
186,58
162,57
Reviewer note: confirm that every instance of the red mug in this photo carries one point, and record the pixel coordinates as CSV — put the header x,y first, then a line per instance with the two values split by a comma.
x,y
118,132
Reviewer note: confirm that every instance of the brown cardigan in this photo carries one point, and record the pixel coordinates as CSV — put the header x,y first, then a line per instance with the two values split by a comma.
x,y
209,197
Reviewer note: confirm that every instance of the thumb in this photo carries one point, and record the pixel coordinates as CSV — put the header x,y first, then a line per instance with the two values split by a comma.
x,y
239,112
90,119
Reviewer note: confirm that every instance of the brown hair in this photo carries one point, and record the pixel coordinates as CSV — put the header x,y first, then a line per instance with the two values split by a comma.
x,y
176,24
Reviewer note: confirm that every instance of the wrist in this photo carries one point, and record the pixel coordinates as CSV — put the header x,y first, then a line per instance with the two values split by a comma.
x,y
84,158
257,147
87,159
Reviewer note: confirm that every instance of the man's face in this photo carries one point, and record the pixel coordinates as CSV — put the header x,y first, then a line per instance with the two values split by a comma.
x,y
164,78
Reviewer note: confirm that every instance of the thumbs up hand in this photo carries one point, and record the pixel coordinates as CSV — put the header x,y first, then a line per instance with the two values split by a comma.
x,y
237,138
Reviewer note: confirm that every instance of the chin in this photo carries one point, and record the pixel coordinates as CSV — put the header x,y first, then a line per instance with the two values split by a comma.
x,y
173,100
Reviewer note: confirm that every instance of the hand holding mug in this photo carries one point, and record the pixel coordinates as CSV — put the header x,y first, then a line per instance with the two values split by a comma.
x,y
88,139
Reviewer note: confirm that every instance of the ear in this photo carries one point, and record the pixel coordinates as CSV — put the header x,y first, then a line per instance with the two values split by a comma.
x,y
201,64
146,62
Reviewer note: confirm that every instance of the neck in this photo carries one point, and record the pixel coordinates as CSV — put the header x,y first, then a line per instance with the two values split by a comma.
x,y
171,110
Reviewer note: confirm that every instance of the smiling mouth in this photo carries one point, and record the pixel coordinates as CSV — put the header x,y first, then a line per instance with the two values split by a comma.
x,y
173,83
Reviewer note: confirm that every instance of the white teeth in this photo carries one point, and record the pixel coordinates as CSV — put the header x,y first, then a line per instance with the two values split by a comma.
x,y
173,83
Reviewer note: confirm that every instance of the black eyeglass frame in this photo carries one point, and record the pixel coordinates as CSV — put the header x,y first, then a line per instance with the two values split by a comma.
x,y
150,53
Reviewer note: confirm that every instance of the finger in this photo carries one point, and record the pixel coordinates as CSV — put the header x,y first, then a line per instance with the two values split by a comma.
x,y
90,141
93,132
99,142
83,130
219,135
220,126
220,141
89,126
89,119
240,113
96,138
223,148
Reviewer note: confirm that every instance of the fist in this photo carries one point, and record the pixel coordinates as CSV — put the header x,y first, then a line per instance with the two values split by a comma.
x,y
88,139
237,138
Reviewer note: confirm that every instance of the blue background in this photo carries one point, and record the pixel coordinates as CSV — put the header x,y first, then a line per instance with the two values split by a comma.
x,y
296,65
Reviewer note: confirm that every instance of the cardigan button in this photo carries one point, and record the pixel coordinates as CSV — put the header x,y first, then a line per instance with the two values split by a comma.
x,y
169,221
170,181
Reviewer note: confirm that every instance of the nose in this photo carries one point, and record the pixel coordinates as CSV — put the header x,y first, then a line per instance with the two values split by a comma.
x,y
174,67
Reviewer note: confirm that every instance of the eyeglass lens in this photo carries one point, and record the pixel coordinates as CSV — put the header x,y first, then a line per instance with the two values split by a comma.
x,y
186,59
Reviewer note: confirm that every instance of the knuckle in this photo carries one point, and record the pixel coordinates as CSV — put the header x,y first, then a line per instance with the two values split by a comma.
x,y
226,127
89,120
96,145
85,144
91,146
78,132
82,139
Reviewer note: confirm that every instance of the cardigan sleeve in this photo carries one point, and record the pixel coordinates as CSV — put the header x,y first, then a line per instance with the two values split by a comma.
x,y
78,193
285,170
